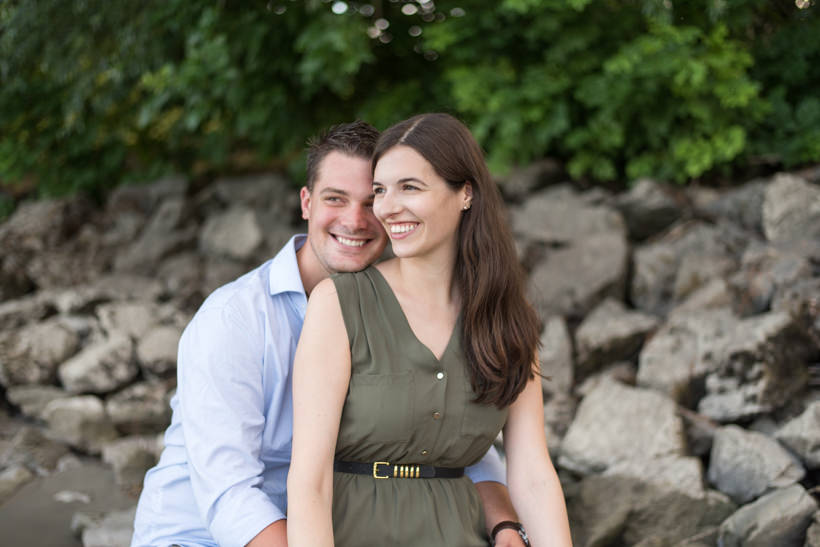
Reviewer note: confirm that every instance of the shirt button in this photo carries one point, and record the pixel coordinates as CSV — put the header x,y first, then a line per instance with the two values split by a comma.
x,y
436,415
424,452
439,375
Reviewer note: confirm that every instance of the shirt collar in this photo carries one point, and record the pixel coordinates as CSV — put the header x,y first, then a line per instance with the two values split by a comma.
x,y
284,273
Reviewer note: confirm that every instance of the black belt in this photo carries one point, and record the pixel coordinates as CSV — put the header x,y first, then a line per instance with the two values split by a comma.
x,y
387,470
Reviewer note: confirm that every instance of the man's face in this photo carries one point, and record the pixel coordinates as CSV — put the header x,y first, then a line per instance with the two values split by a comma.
x,y
343,233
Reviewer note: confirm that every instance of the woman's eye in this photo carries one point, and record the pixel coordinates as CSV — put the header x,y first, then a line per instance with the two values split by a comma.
x,y
410,187
378,190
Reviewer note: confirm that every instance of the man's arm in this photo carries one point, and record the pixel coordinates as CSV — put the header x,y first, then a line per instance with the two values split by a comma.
x,y
489,476
222,403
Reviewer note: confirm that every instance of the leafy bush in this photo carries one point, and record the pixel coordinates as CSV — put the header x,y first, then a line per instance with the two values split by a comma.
x,y
93,93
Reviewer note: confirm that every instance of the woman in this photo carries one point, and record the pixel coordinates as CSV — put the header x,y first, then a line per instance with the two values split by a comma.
x,y
409,369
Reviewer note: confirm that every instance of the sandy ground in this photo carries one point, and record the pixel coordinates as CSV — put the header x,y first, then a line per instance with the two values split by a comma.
x,y
32,517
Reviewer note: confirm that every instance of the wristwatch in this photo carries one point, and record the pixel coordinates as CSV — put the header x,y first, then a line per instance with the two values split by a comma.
x,y
517,526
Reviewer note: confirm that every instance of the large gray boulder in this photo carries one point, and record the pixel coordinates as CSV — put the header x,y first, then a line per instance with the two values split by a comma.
x,y
571,281
559,216
742,205
615,423
523,181
102,367
133,318
648,208
791,209
746,464
234,233
32,354
33,399
157,350
80,421
27,309
140,408
802,302
130,458
813,533
84,298
759,368
555,357
610,333
623,507
779,518
30,447
677,358
658,272
802,435
165,233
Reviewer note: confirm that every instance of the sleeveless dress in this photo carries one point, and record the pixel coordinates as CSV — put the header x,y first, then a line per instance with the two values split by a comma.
x,y
404,406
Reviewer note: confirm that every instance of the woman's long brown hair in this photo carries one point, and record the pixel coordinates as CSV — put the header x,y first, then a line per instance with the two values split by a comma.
x,y
500,330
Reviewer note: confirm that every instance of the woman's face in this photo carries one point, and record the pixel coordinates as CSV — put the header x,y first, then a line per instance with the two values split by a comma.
x,y
419,211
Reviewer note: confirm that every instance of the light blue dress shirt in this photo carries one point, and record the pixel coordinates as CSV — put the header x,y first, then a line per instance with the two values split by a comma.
x,y
221,478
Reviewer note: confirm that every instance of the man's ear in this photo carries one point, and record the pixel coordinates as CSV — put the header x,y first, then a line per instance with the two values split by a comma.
x,y
304,198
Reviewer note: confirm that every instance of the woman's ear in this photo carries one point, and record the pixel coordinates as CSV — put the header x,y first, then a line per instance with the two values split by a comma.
x,y
468,194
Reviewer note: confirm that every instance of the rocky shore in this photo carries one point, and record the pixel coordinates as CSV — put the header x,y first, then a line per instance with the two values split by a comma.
x,y
681,340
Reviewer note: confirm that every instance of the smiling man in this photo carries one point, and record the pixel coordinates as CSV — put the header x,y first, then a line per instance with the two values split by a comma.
x,y
221,478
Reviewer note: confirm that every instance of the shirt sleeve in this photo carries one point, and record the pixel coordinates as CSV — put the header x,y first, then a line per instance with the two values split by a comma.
x,y
221,398
489,468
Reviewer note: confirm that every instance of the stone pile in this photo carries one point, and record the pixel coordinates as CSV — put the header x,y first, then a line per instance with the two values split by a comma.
x,y
681,342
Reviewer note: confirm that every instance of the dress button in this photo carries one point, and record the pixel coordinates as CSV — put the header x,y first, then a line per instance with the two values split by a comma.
x,y
436,415
424,452
439,375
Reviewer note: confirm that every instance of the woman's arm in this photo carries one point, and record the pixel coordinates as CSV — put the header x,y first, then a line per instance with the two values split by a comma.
x,y
321,373
531,477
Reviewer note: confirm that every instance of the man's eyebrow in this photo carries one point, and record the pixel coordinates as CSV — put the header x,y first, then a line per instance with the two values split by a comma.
x,y
331,190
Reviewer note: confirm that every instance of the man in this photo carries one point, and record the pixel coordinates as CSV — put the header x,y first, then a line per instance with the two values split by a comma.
x,y
222,475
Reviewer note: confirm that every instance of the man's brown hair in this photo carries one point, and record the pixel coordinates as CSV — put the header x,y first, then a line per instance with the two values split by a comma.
x,y
357,139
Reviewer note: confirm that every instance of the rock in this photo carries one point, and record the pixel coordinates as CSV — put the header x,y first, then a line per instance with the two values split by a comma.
x,y
746,464
13,478
266,191
83,299
131,318
81,422
678,357
219,272
29,309
675,473
696,272
759,368
31,355
616,423
813,533
130,458
802,436
33,399
182,276
113,530
559,216
766,271
525,180
555,357
140,408
657,264
791,209
700,432
648,208
162,236
712,294
623,372
558,412
610,333
742,205
802,301
570,281
100,368
622,509
779,518
234,233
30,447
157,350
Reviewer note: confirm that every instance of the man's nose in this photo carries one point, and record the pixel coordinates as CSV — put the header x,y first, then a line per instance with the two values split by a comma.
x,y
358,217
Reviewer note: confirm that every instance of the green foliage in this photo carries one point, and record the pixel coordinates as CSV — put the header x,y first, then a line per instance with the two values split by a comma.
x,y
93,92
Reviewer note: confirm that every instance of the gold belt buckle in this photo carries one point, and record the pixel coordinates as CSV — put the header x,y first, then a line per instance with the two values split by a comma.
x,y
376,470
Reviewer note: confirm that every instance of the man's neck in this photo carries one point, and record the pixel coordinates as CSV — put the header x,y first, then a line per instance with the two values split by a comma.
x,y
310,269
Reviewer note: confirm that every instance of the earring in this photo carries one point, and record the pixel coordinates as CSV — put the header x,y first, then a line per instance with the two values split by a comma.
x,y
466,206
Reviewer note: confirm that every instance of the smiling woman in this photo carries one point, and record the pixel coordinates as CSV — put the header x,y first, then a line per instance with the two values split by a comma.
x,y
406,372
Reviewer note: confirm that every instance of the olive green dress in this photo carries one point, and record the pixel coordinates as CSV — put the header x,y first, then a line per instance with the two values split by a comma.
x,y
404,406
